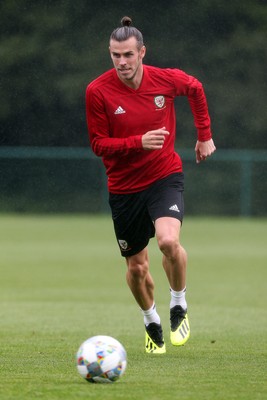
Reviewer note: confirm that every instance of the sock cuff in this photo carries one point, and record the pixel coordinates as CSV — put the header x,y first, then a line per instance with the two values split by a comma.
x,y
177,293
178,298
150,310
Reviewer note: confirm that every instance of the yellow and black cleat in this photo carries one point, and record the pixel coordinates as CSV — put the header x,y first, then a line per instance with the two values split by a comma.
x,y
154,339
180,328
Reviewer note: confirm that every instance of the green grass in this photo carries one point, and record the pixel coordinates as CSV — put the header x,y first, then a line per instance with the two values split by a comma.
x,y
62,280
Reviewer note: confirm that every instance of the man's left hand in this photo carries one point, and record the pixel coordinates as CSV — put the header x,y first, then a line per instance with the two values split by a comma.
x,y
204,150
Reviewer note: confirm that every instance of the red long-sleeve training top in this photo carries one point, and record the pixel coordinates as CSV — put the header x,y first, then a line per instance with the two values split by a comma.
x,y
118,116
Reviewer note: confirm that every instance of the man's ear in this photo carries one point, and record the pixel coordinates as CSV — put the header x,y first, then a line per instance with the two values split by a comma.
x,y
143,51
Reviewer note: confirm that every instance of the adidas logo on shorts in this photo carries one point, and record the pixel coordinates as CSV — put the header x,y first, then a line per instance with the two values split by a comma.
x,y
174,208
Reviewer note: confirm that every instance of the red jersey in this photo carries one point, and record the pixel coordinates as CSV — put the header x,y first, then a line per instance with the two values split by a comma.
x,y
118,116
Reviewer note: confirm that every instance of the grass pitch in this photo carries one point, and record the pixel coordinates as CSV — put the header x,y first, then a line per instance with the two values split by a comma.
x,y
62,280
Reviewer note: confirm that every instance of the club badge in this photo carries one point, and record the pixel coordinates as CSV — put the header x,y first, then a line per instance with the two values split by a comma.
x,y
123,244
159,101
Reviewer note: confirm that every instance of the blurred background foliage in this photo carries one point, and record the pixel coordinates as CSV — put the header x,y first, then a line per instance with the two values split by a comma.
x,y
51,50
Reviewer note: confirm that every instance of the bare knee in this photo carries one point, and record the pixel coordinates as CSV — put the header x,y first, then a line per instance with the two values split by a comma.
x,y
137,269
170,246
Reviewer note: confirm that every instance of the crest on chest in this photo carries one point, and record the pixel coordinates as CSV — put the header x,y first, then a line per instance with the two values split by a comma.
x,y
159,101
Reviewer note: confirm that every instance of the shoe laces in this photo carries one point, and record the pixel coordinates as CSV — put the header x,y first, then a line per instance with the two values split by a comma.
x,y
177,314
155,332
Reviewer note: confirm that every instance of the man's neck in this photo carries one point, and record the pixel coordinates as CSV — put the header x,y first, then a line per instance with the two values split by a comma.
x,y
135,81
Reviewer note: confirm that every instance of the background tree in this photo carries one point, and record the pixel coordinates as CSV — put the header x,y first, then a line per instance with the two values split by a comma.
x,y
51,50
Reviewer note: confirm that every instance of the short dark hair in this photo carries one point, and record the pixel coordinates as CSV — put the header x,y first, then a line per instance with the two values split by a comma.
x,y
126,31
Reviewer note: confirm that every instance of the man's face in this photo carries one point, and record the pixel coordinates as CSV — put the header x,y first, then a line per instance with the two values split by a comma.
x,y
127,59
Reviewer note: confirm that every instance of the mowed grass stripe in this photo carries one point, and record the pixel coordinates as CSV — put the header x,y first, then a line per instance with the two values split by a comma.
x,y
63,280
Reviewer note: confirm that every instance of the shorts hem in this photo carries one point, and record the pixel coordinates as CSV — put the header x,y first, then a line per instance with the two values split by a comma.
x,y
134,251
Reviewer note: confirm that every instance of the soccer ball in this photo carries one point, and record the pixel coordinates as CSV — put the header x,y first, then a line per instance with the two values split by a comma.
x,y
101,359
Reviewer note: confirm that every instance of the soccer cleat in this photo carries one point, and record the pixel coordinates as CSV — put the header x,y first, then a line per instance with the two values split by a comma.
x,y
154,339
180,329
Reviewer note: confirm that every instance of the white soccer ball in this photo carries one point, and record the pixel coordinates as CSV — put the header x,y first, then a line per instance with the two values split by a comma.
x,y
101,359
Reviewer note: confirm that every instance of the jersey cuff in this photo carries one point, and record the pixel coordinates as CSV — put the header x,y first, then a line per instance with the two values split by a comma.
x,y
137,142
204,134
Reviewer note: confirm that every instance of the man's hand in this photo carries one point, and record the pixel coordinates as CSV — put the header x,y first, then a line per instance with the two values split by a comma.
x,y
154,140
204,150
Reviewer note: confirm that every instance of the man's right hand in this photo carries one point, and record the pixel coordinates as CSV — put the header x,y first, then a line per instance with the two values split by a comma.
x,y
154,140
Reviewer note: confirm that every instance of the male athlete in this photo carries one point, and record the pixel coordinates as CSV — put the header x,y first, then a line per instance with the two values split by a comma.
x,y
132,126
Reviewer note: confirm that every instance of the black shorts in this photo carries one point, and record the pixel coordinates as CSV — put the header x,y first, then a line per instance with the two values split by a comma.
x,y
134,214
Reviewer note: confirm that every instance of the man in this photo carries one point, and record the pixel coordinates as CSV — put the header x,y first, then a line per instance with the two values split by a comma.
x,y
131,123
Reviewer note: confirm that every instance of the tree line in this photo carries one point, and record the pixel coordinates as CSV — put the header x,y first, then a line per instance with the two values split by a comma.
x,y
51,50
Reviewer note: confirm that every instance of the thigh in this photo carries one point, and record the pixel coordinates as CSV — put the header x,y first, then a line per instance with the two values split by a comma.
x,y
132,223
167,228
166,198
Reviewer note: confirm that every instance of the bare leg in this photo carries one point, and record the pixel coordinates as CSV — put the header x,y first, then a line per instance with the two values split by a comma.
x,y
174,255
141,284
174,263
140,280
